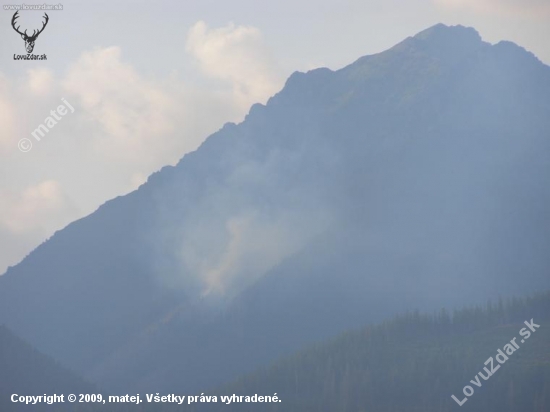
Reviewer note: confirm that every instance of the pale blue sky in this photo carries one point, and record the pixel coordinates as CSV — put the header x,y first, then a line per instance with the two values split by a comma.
x,y
299,33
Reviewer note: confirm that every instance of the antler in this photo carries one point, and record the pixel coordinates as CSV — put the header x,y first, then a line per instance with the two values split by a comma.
x,y
14,18
34,36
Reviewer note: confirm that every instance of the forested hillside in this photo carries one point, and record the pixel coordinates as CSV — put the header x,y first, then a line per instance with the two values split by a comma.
x,y
415,363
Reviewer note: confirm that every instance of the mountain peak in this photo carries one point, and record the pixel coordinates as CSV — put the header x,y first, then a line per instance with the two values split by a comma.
x,y
441,32
450,41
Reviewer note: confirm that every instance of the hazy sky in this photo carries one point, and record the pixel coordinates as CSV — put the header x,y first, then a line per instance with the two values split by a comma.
x,y
150,80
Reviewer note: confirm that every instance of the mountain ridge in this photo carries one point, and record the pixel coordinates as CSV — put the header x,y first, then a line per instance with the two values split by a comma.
x,y
399,176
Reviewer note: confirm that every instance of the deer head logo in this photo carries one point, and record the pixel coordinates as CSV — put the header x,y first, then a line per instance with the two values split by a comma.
x,y
29,40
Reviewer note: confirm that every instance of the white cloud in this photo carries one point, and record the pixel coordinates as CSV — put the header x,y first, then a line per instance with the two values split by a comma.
x,y
125,127
134,115
236,54
40,81
7,116
42,208
29,217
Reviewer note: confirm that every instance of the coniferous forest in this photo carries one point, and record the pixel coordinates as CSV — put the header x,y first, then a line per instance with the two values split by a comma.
x,y
414,362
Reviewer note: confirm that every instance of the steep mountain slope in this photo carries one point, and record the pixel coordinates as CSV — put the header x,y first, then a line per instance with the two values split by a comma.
x,y
415,178
416,363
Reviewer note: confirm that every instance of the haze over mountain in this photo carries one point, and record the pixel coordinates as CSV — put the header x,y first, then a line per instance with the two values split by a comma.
x,y
415,362
25,371
414,178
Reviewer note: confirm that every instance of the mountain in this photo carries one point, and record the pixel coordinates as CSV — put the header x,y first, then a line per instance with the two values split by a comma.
x,y
416,362
413,178
26,372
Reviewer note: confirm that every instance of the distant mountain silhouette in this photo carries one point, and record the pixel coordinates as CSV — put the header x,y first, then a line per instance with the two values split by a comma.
x,y
25,371
413,178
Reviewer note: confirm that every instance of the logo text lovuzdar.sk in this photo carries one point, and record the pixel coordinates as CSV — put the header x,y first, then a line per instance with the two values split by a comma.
x,y
29,39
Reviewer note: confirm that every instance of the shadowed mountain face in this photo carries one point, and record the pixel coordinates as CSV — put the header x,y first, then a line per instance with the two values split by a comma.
x,y
27,372
415,178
